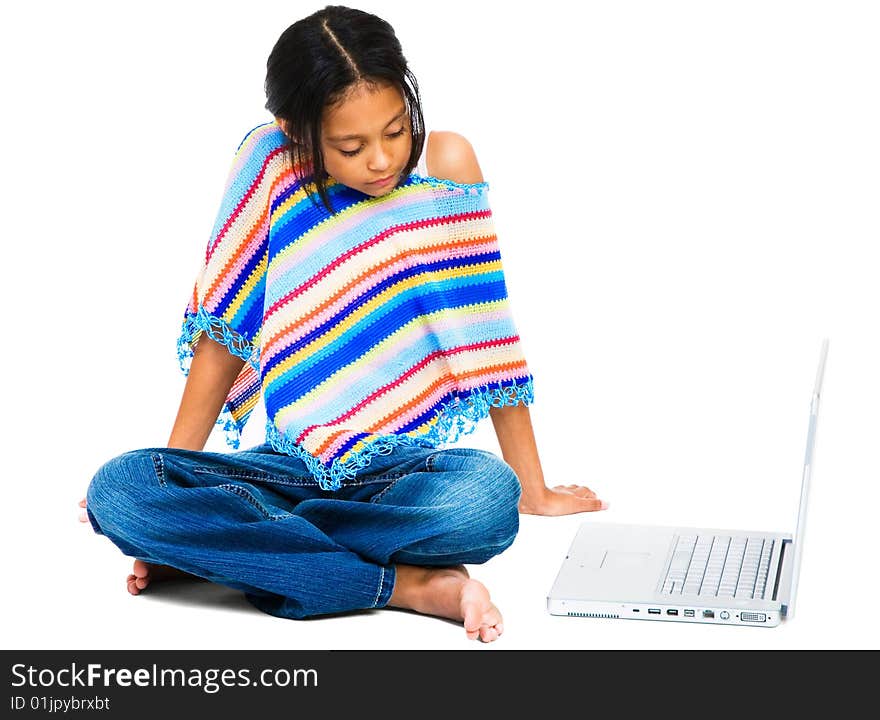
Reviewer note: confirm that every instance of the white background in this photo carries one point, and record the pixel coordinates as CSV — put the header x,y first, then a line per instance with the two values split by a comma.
x,y
685,195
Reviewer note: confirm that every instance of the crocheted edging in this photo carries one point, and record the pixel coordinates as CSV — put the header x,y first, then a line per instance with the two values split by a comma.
x,y
456,418
219,331
474,188
231,429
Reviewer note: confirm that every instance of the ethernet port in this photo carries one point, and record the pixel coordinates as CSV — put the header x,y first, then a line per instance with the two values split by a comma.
x,y
708,613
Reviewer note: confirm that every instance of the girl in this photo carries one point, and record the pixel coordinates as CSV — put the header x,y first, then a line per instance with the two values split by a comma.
x,y
353,281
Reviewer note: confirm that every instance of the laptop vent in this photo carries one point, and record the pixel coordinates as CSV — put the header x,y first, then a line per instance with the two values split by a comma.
x,y
594,615
753,617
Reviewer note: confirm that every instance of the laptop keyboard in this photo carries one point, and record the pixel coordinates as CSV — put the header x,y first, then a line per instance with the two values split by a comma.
x,y
719,566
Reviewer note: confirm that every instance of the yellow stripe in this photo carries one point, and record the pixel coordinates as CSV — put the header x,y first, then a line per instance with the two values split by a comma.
x,y
369,307
245,290
246,407
401,336
302,243
361,444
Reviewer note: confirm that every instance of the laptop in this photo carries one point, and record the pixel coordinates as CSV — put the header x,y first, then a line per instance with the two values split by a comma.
x,y
679,574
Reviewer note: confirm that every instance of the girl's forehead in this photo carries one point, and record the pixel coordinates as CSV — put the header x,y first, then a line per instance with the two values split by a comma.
x,y
365,105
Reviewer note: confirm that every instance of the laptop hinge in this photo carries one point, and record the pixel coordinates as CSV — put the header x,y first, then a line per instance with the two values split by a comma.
x,y
782,589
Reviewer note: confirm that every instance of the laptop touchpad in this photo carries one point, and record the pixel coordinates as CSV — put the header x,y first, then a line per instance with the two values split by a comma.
x,y
622,560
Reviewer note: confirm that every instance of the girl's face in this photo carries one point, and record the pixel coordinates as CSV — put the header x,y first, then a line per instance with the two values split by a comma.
x,y
366,139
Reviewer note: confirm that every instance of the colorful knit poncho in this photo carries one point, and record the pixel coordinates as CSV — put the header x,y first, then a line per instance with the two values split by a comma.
x,y
385,324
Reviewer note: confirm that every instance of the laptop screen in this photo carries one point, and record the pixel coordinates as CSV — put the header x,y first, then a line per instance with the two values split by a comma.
x,y
805,481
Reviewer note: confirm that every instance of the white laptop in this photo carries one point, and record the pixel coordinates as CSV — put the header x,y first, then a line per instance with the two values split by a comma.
x,y
726,577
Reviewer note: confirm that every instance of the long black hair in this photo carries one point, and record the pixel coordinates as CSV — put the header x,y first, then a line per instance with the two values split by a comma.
x,y
316,61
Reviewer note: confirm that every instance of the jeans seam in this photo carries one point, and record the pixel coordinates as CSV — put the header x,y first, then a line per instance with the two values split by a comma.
x,y
379,589
379,495
246,495
245,475
159,466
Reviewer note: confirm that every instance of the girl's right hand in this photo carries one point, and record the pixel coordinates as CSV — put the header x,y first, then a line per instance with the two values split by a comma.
x,y
83,516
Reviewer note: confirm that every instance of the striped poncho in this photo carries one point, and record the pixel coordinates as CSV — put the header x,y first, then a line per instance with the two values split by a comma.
x,y
383,324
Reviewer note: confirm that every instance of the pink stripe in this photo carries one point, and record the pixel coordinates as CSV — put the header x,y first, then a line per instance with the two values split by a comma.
x,y
430,402
230,273
385,359
343,226
278,304
299,330
409,373
230,221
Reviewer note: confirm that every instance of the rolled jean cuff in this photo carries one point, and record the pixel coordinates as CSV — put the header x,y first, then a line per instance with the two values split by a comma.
x,y
387,576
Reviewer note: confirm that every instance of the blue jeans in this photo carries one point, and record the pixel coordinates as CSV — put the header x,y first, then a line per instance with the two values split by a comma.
x,y
257,521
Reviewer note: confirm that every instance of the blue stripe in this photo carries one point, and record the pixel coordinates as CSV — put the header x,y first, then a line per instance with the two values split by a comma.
x,y
253,163
245,320
297,381
409,427
418,209
304,215
449,284
249,318
406,357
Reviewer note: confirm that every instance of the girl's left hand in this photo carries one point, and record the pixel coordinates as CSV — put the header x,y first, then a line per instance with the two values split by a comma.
x,y
561,500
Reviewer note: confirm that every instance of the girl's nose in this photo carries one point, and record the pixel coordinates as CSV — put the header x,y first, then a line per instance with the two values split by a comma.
x,y
380,159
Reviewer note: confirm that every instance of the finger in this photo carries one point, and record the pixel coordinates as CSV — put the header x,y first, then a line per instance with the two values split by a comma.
x,y
579,490
83,517
582,491
593,504
82,503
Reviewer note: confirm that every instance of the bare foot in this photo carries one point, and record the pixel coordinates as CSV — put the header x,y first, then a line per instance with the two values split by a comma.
x,y
449,593
143,573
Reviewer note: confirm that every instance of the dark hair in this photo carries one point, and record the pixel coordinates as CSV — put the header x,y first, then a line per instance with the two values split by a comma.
x,y
316,61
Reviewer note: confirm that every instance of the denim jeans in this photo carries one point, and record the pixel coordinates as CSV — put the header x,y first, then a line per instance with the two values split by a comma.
x,y
257,521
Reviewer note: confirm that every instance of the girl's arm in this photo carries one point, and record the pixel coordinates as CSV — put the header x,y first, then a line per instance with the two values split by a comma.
x,y
212,371
513,426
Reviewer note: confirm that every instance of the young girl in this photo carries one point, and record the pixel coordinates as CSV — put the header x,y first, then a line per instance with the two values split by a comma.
x,y
353,281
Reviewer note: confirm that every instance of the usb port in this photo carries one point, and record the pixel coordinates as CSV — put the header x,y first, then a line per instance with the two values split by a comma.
x,y
653,611
672,611
688,613
708,613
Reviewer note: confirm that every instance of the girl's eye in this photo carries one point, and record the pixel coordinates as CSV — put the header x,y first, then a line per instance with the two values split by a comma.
x,y
352,153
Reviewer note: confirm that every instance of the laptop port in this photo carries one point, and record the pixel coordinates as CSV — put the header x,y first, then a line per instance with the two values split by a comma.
x,y
708,613
672,611
653,611
688,613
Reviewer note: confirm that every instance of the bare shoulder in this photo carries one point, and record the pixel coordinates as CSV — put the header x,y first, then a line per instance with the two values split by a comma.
x,y
450,156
